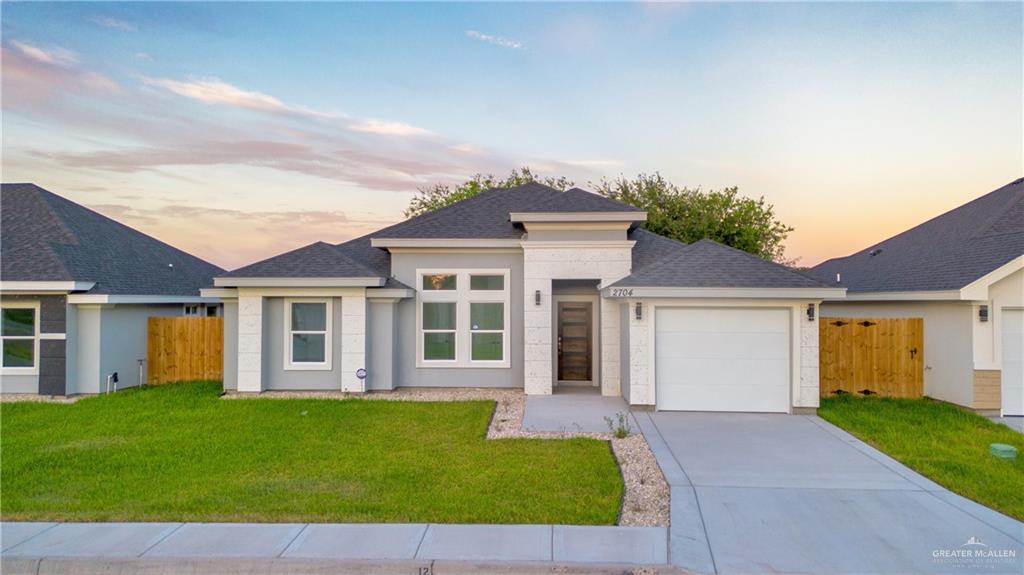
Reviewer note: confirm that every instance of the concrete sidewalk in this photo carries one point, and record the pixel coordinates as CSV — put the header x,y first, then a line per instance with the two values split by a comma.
x,y
560,544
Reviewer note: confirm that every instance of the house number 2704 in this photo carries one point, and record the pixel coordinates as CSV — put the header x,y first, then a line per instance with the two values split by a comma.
x,y
622,292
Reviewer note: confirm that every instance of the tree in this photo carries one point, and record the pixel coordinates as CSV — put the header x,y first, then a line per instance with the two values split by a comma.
x,y
440,195
689,215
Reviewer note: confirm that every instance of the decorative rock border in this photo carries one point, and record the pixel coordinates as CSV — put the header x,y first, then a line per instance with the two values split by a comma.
x,y
645,502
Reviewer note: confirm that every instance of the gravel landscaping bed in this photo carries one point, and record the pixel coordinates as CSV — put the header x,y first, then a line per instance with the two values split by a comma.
x,y
646,499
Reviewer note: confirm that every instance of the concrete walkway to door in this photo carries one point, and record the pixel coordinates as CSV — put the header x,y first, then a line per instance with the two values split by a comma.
x,y
755,493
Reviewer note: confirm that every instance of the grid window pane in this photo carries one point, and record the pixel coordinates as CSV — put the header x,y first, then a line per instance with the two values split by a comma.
x,y
487,315
487,346
439,315
308,347
19,321
309,317
482,283
19,353
442,282
439,346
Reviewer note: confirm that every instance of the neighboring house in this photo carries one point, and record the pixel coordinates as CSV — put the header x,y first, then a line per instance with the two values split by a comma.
x,y
76,289
532,288
963,273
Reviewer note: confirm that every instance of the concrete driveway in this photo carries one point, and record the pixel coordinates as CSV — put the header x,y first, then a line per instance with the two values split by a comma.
x,y
755,493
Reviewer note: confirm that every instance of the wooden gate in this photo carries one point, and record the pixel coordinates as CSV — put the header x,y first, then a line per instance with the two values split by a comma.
x,y
185,348
884,355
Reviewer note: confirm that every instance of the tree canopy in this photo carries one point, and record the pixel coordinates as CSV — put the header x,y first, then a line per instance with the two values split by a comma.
x,y
679,213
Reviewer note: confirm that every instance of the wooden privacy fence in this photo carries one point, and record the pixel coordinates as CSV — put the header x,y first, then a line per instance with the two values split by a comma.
x,y
185,348
883,355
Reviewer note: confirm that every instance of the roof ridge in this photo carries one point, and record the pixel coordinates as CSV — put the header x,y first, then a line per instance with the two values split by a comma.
x,y
71,239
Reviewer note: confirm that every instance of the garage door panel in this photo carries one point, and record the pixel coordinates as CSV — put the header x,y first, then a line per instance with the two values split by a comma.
x,y
723,359
1012,376
723,345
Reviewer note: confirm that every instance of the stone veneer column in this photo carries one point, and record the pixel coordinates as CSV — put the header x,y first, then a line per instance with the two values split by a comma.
x,y
611,340
250,343
641,373
353,342
809,383
538,357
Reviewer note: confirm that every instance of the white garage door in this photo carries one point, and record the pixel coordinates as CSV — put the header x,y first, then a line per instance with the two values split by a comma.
x,y
722,359
1013,362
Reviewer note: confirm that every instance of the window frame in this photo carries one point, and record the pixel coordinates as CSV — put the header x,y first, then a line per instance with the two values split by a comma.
x,y
34,369
463,296
325,365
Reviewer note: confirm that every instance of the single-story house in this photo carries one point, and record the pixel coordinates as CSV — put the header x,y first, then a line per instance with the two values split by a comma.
x,y
963,273
76,289
532,288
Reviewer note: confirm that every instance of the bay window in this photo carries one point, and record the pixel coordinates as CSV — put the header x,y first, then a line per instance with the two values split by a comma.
x,y
19,337
307,334
463,318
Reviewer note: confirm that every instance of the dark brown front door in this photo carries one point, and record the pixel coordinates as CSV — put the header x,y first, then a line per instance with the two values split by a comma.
x,y
574,341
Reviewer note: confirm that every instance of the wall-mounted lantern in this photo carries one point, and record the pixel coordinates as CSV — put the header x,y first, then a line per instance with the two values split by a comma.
x,y
982,313
536,297
639,311
810,312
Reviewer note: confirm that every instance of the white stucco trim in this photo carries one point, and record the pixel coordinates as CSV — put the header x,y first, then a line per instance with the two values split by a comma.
x,y
138,299
299,282
595,337
390,293
578,216
738,293
353,343
302,292
219,293
326,364
55,336
577,244
899,296
443,243
34,370
250,343
978,289
45,286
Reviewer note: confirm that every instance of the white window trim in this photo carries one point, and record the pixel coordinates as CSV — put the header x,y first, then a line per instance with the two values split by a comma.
x,y
462,296
34,370
325,365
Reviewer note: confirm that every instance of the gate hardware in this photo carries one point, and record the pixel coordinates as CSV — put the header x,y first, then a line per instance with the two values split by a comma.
x,y
867,392
913,352
839,323
866,323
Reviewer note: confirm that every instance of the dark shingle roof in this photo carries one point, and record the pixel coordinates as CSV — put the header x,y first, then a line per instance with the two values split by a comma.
x,y
317,260
709,264
945,253
45,237
577,200
483,216
650,247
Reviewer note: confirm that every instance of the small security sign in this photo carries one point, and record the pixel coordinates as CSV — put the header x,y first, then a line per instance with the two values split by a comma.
x,y
361,373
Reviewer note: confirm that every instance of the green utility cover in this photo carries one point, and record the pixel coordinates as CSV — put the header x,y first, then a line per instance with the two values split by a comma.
x,y
1003,450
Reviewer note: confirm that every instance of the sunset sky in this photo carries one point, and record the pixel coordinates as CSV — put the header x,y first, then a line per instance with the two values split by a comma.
x,y
237,131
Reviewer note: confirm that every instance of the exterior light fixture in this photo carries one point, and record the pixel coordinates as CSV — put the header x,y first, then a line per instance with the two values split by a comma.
x,y
810,312
982,313
639,311
536,297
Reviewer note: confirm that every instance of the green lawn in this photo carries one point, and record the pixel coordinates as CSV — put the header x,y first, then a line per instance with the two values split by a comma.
x,y
943,442
178,453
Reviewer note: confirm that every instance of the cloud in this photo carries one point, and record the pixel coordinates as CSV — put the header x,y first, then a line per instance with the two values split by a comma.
x,y
53,56
496,40
594,164
215,91
387,128
144,56
116,24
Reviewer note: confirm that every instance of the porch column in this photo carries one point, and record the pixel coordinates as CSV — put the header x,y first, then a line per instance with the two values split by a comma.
x,y
353,342
537,356
250,343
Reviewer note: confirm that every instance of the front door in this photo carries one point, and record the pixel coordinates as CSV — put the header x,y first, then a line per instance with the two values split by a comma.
x,y
575,341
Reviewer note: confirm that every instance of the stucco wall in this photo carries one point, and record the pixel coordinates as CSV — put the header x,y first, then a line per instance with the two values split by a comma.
x,y
380,342
275,376
1006,293
948,352
403,267
230,345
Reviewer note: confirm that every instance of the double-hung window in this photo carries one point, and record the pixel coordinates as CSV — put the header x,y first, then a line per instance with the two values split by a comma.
x,y
463,318
19,337
307,334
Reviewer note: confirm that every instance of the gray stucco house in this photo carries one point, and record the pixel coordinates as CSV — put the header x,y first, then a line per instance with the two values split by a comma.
x,y
531,288
963,273
76,289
